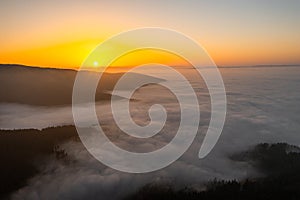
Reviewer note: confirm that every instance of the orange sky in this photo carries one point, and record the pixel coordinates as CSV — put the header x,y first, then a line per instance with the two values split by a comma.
x,y
62,34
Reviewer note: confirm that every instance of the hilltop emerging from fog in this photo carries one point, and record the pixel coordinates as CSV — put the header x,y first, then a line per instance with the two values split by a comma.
x,y
50,86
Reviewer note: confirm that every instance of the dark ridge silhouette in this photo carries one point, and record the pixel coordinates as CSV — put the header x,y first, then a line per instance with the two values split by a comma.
x,y
24,67
280,163
53,87
21,151
272,159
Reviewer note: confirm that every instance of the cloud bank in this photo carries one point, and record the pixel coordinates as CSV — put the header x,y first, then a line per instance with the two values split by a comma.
x,y
262,107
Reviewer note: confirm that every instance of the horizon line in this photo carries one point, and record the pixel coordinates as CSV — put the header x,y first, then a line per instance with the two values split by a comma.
x,y
219,66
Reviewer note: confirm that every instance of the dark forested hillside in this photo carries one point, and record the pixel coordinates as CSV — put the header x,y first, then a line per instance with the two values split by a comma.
x,y
22,150
279,162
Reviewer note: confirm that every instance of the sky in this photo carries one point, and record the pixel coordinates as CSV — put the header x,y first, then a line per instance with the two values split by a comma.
x,y
234,32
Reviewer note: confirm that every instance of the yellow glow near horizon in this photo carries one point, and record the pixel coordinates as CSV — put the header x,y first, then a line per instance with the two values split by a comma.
x,y
72,54
69,55
141,57
48,34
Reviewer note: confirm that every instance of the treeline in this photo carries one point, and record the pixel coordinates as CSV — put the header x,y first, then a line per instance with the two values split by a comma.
x,y
22,151
279,162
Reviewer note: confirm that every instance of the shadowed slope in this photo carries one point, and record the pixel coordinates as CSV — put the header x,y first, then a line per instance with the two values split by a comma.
x,y
50,87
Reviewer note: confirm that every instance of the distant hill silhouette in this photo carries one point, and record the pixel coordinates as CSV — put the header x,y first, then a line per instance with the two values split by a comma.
x,y
50,86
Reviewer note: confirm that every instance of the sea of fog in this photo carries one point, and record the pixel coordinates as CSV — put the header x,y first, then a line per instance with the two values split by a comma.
x,y
262,106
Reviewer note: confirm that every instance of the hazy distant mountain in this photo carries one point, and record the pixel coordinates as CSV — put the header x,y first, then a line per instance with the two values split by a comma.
x,y
48,86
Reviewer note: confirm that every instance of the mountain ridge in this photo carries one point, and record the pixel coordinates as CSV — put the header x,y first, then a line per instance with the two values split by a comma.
x,y
53,87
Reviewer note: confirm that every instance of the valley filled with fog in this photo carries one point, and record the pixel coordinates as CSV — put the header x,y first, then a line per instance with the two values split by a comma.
x,y
262,107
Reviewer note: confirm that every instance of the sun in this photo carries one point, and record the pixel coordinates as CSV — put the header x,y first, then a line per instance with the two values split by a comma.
x,y
96,63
